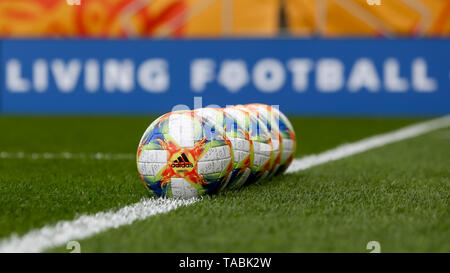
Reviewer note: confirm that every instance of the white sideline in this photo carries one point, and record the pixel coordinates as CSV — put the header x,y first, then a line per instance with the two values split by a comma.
x,y
369,143
65,155
87,225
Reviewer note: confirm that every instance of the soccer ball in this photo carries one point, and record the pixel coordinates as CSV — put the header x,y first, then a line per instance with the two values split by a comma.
x,y
241,145
260,138
185,154
265,114
182,155
286,131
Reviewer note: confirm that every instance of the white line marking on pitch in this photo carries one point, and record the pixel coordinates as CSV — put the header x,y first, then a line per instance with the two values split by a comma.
x,y
65,155
87,225
369,143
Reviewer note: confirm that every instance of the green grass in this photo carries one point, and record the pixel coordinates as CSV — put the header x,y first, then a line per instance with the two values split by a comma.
x,y
397,195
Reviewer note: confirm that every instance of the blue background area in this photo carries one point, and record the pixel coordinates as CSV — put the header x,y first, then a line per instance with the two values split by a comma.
x,y
180,53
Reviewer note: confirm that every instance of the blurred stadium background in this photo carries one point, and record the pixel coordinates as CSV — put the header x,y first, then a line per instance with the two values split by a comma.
x,y
80,80
308,56
223,18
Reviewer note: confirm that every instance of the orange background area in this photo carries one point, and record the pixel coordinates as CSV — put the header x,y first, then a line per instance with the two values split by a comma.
x,y
123,18
212,18
356,17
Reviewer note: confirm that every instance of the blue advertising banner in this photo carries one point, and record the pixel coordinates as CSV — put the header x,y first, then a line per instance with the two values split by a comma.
x,y
302,76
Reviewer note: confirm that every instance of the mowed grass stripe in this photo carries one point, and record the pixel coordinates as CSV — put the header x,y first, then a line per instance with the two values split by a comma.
x,y
120,135
38,240
65,155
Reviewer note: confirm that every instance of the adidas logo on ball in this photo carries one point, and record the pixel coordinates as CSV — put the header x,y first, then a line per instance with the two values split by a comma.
x,y
182,162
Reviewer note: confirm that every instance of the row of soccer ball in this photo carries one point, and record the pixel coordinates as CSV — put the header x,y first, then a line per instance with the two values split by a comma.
x,y
185,154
